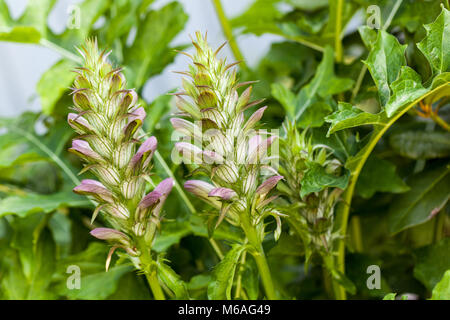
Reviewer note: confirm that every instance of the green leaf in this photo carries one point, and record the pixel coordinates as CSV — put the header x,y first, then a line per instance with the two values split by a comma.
x,y
323,85
432,262
54,83
172,232
314,116
90,12
199,281
348,116
407,88
250,279
155,111
384,63
30,27
308,5
172,280
150,51
390,296
286,97
223,274
421,144
60,227
344,281
260,17
442,290
97,286
132,287
43,267
436,45
14,151
428,195
287,245
368,36
32,202
124,15
379,175
317,178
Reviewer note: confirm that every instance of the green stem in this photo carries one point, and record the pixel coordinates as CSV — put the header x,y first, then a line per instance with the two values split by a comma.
x,y
302,41
440,122
344,208
356,234
337,32
265,274
155,286
177,185
439,226
238,292
228,32
149,268
65,53
331,286
259,255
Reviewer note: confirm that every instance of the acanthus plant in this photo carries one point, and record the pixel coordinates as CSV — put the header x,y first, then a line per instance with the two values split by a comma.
x,y
107,120
226,148
314,181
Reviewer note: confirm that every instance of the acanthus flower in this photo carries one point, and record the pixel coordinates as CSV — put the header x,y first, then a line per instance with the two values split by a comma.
x,y
107,120
226,147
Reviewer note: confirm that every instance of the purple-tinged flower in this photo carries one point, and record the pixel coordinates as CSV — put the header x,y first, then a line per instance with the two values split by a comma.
x,y
183,126
155,199
222,193
151,199
94,188
144,153
211,157
110,235
83,149
198,187
189,152
268,185
258,147
135,120
78,123
255,117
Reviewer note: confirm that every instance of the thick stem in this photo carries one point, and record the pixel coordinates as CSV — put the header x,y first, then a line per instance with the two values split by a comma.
x,y
149,268
337,32
264,271
155,286
228,32
356,234
260,257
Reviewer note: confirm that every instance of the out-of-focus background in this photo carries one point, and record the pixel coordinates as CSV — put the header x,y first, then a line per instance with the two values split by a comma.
x,y
22,65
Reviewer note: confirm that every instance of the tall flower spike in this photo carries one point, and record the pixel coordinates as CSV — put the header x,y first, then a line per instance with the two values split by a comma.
x,y
226,147
311,213
107,120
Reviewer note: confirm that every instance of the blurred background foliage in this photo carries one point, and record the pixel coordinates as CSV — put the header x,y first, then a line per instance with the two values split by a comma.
x,y
44,226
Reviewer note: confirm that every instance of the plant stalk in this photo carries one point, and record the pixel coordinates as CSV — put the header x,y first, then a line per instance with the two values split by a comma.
x,y
155,286
260,257
337,32
228,32
149,268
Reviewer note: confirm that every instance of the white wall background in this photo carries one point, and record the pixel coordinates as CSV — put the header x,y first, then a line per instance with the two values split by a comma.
x,y
21,65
